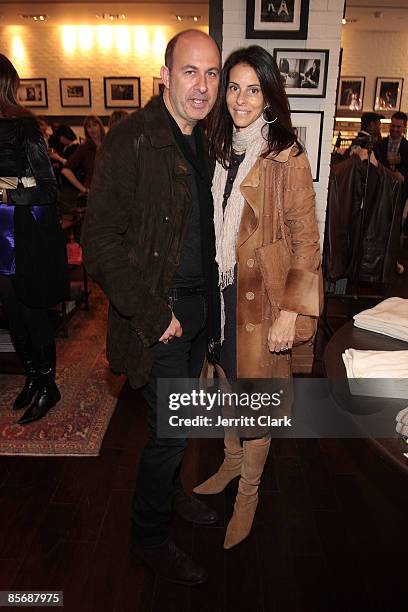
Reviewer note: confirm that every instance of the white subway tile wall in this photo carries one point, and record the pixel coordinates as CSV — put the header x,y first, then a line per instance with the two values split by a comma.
x,y
324,33
93,52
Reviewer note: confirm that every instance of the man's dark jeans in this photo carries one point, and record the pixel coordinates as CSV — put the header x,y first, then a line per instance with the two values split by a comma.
x,y
160,464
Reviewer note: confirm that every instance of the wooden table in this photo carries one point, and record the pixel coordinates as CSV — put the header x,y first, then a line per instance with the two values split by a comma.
x,y
349,336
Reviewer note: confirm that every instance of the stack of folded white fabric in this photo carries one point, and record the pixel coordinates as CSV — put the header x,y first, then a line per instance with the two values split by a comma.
x,y
387,372
389,317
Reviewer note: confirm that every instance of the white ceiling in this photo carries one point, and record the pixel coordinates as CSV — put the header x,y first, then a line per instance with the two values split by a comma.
x,y
378,15
148,12
392,15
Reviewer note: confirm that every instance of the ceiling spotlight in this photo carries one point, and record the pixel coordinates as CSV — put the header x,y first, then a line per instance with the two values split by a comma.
x,y
194,18
34,17
344,21
111,16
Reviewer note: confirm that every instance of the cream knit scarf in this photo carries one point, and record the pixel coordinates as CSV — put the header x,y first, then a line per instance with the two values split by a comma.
x,y
227,222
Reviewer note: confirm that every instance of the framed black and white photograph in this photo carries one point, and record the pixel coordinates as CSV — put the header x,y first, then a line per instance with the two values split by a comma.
x,y
304,73
388,93
33,93
75,92
350,95
122,92
309,130
277,19
158,86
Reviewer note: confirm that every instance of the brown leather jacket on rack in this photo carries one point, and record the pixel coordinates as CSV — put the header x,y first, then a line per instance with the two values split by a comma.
x,y
376,246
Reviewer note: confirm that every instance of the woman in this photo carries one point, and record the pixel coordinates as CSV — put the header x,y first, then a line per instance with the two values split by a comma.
x,y
267,250
79,168
33,267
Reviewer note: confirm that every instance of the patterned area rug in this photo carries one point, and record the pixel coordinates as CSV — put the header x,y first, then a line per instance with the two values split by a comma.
x,y
77,424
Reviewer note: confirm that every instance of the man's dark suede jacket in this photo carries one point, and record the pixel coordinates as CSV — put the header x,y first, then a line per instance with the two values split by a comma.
x,y
133,232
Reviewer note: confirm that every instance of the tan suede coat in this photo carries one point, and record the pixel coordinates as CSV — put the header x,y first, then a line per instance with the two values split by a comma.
x,y
275,271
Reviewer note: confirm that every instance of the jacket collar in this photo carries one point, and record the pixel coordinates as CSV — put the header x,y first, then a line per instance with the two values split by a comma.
x,y
157,124
252,178
284,155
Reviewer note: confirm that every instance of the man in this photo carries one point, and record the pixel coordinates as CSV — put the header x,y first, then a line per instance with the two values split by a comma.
x,y
312,76
370,127
149,241
370,132
392,151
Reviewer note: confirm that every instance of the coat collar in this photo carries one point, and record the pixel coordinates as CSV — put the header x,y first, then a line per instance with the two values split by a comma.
x,y
157,125
252,178
249,189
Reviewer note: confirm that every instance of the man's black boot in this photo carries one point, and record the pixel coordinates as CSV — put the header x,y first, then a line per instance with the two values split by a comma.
x,y
48,393
193,510
171,563
27,393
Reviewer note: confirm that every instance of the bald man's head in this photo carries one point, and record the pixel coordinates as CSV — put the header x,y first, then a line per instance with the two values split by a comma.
x,y
185,34
191,77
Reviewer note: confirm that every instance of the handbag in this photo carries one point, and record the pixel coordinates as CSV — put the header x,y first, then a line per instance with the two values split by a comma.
x,y
278,251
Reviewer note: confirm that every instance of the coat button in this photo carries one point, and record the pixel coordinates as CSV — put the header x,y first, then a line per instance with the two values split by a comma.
x,y
249,327
166,219
250,296
250,263
156,254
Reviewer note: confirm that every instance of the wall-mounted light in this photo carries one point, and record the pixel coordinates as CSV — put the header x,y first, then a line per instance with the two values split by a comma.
x,y
69,39
41,17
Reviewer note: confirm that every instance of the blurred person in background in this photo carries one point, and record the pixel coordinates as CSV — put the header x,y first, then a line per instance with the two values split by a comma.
x,y
79,168
33,262
116,116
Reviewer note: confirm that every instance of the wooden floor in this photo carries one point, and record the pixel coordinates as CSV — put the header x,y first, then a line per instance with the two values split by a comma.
x,y
330,531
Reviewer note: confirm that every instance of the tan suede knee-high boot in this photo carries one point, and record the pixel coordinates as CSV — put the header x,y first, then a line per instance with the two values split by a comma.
x,y
239,527
228,470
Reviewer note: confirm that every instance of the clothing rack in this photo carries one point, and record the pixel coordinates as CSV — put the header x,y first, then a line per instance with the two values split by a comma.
x,y
354,295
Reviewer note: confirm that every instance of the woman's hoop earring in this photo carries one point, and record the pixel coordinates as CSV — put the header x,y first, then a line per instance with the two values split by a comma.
x,y
263,118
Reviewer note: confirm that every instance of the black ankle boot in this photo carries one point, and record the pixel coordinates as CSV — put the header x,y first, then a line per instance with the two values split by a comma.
x,y
48,393
26,395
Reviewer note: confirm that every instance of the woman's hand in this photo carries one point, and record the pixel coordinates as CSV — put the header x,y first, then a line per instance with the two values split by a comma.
x,y
282,332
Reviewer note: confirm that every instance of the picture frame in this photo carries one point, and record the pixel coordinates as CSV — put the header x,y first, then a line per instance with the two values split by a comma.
x,y
33,93
284,19
388,94
350,96
157,86
75,92
122,92
303,71
309,129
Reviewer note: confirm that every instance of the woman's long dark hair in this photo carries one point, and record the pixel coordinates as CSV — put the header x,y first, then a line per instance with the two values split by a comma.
x,y
93,119
280,134
9,82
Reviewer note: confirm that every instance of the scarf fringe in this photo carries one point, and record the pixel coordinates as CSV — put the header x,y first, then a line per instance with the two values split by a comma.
x,y
227,222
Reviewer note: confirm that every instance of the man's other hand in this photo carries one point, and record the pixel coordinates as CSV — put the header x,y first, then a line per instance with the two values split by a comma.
x,y
173,330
